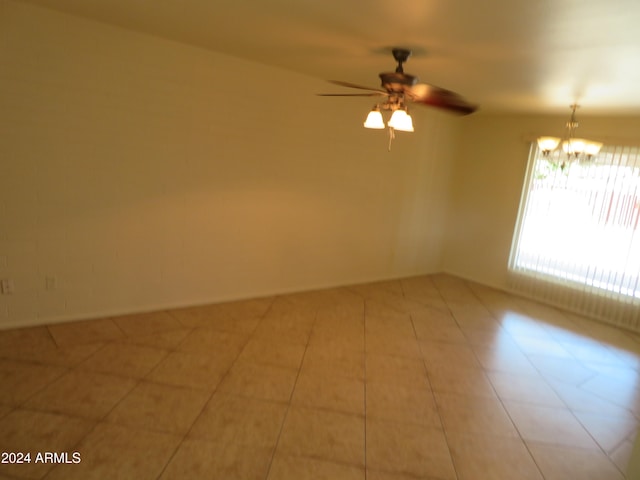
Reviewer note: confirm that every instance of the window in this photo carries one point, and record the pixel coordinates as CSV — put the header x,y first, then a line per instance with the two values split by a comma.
x,y
579,224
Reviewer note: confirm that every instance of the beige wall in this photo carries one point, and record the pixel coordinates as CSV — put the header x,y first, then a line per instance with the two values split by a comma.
x,y
138,173
487,183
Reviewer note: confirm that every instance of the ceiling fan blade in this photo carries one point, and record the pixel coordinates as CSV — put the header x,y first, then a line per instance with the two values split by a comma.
x,y
372,94
440,98
360,87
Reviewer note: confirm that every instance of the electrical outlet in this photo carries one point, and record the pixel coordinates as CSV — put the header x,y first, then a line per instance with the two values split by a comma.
x,y
6,286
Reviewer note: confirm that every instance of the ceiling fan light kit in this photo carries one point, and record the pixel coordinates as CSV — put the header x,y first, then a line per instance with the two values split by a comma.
x,y
398,88
575,148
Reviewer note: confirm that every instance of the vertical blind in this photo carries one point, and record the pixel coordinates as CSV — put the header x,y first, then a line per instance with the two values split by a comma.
x,y
577,240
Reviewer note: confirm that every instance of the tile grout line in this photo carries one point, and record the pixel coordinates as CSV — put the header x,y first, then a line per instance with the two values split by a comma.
x,y
214,391
524,443
433,397
567,407
289,403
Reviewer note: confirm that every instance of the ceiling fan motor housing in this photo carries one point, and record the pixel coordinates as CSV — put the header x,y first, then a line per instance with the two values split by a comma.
x,y
396,82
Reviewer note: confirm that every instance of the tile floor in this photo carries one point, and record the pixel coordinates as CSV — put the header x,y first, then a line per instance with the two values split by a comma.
x,y
423,378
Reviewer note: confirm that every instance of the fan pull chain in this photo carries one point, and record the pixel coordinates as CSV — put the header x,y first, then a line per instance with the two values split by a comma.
x,y
392,135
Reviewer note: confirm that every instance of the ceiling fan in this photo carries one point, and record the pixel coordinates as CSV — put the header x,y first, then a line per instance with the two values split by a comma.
x,y
399,88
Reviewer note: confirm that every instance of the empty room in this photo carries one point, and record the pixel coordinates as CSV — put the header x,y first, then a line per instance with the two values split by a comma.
x,y
319,240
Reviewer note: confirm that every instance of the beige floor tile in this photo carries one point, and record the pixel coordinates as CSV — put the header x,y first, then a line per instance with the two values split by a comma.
x,y
622,454
608,431
395,325
5,409
290,329
233,324
348,316
213,341
623,391
401,346
124,359
252,307
506,357
331,329
440,353
164,408
437,326
561,463
286,467
395,370
332,436
169,340
547,346
52,355
579,400
549,425
270,352
475,316
197,370
88,331
526,389
392,377
21,380
338,393
492,457
399,303
589,350
523,324
306,301
244,421
290,311
293,305
146,323
205,460
440,333
374,289
327,361
82,394
467,381
427,317
199,316
495,338
338,341
33,432
401,403
337,298
266,382
114,451
463,413
25,338
237,316
377,305
408,449
379,475
351,314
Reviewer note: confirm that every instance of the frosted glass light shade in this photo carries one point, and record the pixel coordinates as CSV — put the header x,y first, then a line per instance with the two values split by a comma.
x,y
401,120
592,148
575,146
374,120
548,144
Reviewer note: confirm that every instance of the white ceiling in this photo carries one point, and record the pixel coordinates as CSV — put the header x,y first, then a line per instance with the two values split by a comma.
x,y
528,56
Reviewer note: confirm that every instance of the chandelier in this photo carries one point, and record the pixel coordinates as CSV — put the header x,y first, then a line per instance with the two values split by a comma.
x,y
575,148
